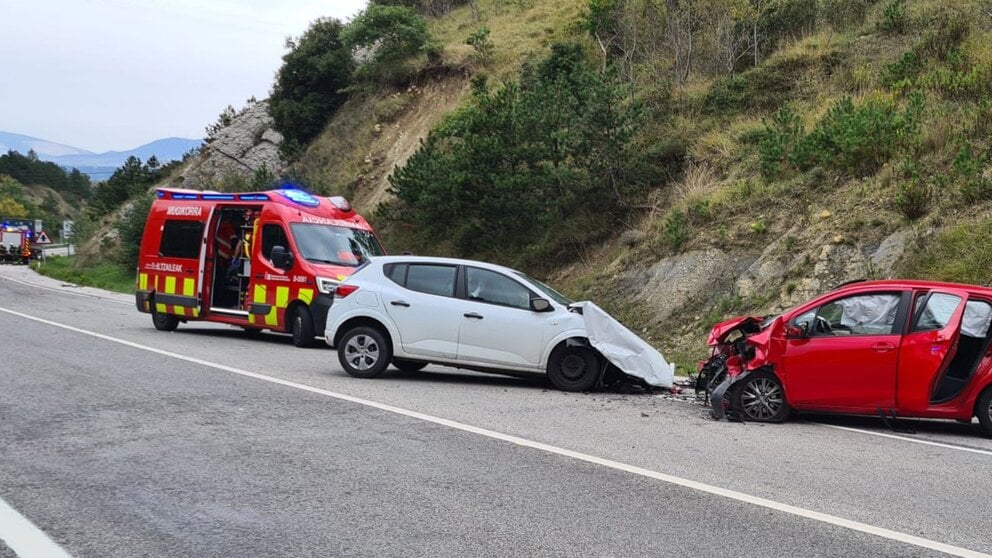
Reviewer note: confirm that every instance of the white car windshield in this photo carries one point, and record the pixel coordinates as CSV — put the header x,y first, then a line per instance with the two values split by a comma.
x,y
551,293
335,245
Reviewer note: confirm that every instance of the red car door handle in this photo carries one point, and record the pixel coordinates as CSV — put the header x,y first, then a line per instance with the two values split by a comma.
x,y
883,347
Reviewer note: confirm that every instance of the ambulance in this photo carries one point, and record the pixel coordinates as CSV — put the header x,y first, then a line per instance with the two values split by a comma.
x,y
257,260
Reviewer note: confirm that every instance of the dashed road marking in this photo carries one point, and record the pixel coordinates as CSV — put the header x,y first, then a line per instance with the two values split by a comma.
x,y
523,442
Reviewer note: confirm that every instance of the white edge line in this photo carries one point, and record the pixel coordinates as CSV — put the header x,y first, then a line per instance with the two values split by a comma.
x,y
63,291
671,479
906,439
24,537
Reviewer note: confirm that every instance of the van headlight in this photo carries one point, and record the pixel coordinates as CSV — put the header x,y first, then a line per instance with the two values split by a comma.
x,y
326,286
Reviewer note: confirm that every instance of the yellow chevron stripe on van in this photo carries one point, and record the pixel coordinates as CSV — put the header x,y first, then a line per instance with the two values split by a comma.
x,y
189,287
170,285
143,281
259,296
282,297
160,308
306,295
179,310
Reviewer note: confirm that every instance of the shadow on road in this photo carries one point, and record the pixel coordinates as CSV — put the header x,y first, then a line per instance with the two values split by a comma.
x,y
901,426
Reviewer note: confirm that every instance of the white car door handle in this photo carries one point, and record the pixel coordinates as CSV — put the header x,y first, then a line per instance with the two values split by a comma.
x,y
402,303
473,316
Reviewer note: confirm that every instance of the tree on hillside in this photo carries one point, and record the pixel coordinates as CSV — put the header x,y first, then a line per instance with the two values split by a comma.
x,y
390,34
30,170
534,168
308,87
130,179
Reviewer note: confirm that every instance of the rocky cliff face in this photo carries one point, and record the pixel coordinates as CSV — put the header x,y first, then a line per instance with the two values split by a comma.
x,y
249,143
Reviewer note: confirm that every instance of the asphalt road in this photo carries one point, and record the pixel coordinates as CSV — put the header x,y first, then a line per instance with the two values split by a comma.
x,y
119,440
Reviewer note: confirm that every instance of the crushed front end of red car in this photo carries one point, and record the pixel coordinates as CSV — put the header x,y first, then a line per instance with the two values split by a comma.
x,y
738,346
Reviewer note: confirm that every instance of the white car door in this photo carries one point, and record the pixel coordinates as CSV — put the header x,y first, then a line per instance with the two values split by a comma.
x,y
497,325
420,299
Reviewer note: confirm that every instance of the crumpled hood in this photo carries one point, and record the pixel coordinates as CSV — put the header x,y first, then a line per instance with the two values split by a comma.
x,y
721,330
623,348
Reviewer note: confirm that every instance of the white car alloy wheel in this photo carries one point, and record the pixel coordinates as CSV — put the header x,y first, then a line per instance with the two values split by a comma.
x,y
362,352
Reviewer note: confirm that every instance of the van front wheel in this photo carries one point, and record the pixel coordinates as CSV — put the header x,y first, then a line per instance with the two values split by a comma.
x,y
164,322
302,327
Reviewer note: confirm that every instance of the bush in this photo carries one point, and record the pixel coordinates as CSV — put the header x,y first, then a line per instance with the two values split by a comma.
x,y
389,35
912,194
479,41
961,254
894,18
968,171
308,87
845,14
853,139
534,169
676,229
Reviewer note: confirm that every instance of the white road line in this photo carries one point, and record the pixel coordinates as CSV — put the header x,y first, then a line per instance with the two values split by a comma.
x,y
24,537
671,479
907,439
63,291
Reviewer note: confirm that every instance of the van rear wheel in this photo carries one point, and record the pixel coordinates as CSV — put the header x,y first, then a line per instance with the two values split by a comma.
x,y
164,322
302,327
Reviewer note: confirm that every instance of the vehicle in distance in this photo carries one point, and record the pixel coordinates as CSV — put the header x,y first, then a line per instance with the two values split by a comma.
x,y
895,348
411,311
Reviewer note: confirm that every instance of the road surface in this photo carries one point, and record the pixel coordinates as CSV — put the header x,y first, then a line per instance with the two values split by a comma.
x,y
119,440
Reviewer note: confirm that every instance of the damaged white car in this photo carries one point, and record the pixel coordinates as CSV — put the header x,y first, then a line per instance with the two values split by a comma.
x,y
413,311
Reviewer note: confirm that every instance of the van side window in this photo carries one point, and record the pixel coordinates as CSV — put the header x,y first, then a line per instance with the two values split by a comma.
x,y
431,279
181,239
273,235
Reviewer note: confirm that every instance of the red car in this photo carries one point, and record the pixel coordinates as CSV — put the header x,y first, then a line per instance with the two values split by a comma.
x,y
893,348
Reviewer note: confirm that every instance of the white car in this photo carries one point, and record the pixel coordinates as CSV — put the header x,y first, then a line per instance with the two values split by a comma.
x,y
411,311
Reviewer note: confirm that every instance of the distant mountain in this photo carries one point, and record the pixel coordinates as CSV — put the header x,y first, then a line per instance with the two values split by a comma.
x,y
44,148
99,166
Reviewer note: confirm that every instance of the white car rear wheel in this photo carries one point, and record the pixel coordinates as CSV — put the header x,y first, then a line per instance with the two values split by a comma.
x,y
364,352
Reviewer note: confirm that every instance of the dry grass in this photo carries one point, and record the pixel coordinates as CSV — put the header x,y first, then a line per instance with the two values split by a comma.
x,y
517,29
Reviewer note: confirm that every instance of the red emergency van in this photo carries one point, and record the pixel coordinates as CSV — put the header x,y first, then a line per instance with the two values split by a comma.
x,y
257,260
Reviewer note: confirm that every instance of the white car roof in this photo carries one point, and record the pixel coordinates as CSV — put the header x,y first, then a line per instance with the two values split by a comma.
x,y
382,260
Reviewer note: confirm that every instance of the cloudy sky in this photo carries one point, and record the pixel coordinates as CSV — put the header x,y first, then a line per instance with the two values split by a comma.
x,y
115,74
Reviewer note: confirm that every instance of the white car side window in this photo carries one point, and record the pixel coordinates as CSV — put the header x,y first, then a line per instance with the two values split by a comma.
x,y
488,286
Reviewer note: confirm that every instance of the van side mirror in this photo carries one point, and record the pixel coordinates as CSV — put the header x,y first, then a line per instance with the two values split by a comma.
x,y
540,305
281,258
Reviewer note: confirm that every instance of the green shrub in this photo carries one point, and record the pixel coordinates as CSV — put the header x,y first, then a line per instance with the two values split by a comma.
x,y
765,87
968,171
308,86
531,171
676,229
781,136
391,35
479,41
131,227
894,19
845,14
913,195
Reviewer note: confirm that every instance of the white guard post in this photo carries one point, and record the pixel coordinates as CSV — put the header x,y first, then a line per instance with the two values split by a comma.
x,y
624,348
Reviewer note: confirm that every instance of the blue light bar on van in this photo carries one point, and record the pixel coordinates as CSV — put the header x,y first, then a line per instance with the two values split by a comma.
x,y
176,196
300,197
253,197
218,196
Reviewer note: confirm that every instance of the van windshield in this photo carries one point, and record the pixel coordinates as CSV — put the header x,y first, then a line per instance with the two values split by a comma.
x,y
335,245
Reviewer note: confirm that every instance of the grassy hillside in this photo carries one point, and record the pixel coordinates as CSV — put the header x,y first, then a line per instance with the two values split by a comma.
x,y
858,146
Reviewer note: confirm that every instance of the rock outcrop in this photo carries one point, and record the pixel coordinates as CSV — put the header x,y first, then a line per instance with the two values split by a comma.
x,y
236,152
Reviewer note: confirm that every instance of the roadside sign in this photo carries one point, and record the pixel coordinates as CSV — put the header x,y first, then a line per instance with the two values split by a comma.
x,y
42,238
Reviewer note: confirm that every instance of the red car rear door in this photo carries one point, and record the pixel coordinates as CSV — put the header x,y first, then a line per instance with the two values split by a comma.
x,y
930,345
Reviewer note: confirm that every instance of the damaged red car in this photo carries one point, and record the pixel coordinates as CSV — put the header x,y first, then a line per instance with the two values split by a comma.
x,y
892,348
